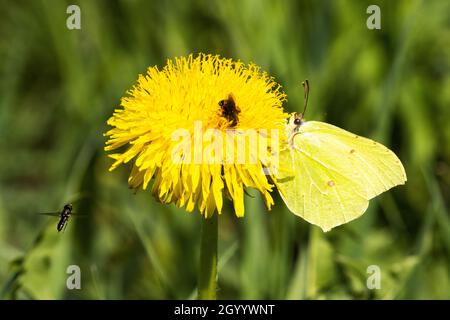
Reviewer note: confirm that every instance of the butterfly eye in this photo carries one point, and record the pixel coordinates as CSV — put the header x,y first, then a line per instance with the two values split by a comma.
x,y
297,121
221,103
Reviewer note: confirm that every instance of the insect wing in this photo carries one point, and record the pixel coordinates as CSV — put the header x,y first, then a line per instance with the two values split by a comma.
x,y
53,214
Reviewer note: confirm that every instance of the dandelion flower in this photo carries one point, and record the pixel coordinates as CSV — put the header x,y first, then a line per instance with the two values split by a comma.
x,y
175,123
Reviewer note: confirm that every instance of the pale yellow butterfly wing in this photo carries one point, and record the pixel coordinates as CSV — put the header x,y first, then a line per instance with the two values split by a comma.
x,y
328,175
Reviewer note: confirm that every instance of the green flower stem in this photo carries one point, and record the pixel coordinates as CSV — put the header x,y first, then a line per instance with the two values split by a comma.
x,y
207,276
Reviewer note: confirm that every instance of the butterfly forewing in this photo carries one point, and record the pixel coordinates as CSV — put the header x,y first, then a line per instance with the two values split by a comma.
x,y
367,163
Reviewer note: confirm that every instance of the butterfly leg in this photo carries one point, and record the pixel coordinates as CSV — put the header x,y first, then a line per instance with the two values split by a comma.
x,y
291,141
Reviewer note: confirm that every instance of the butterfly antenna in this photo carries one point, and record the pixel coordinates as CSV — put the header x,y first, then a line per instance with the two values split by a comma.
x,y
305,85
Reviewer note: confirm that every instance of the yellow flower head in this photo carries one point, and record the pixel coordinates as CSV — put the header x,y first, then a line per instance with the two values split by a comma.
x,y
201,128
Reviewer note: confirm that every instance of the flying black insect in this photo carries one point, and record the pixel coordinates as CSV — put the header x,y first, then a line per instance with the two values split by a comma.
x,y
64,216
230,110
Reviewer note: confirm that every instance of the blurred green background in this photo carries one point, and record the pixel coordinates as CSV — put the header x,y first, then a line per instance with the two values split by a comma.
x,y
59,86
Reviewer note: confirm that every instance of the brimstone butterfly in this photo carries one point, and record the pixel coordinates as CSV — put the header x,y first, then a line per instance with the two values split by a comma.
x,y
328,175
